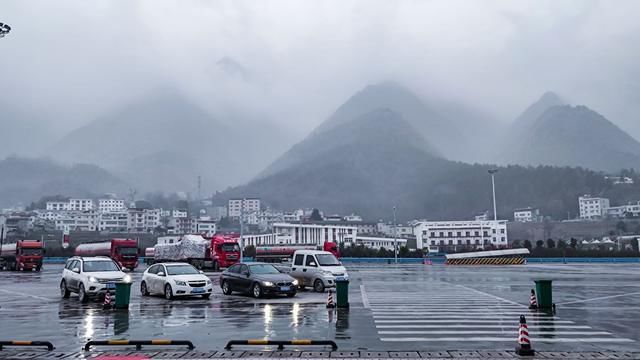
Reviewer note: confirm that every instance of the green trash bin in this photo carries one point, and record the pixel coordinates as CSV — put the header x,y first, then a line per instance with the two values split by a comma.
x,y
544,294
123,293
342,293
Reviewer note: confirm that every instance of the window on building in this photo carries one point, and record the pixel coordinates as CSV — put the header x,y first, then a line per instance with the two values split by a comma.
x,y
450,242
459,233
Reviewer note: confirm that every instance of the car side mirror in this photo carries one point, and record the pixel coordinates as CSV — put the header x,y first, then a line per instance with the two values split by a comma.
x,y
201,272
76,270
161,273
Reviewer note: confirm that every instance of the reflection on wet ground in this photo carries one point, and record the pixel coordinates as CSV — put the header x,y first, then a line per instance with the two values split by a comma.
x,y
392,308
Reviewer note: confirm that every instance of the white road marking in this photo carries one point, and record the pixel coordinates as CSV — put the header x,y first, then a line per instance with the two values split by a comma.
x,y
457,316
507,339
486,321
444,326
365,299
490,295
476,332
600,298
28,295
410,314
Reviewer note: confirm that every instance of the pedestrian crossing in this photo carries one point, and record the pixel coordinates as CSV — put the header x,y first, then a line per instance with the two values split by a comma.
x,y
432,312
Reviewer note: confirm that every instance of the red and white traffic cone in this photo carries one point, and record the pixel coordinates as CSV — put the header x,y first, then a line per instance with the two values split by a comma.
x,y
524,343
330,303
533,303
107,301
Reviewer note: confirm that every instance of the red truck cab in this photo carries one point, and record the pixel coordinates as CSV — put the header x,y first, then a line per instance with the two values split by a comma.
x,y
23,255
332,248
122,251
225,251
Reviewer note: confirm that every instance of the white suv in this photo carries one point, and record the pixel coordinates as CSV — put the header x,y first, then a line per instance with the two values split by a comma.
x,y
91,277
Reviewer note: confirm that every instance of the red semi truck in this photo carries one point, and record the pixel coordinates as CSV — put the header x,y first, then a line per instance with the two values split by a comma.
x,y
122,251
218,251
279,253
22,255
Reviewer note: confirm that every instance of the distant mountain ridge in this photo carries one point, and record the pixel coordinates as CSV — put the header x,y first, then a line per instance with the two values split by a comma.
x,y
549,132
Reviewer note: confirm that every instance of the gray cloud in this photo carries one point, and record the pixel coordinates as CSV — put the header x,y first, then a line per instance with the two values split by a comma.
x,y
71,61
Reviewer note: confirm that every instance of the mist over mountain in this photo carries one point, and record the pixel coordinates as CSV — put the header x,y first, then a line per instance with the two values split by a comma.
x,y
22,133
358,174
165,141
567,135
25,180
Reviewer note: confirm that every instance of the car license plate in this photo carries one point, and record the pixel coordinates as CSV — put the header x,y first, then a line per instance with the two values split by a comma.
x,y
197,290
339,278
285,288
111,286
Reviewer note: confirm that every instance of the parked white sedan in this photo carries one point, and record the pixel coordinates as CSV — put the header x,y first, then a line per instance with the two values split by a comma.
x,y
175,279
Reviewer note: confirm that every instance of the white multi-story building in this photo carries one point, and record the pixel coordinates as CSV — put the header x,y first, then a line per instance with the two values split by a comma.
x,y
526,215
113,221
294,216
50,215
57,205
380,242
235,207
398,230
143,220
80,204
78,221
205,225
629,210
110,205
353,218
457,235
592,208
315,234
179,213
260,239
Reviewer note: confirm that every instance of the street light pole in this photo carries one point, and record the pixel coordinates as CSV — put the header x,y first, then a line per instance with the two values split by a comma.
x,y
493,187
395,237
242,229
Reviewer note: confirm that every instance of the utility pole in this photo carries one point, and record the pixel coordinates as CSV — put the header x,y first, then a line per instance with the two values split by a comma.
x,y
395,237
493,186
1,238
199,187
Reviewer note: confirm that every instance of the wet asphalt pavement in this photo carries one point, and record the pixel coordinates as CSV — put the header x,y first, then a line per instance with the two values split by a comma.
x,y
408,307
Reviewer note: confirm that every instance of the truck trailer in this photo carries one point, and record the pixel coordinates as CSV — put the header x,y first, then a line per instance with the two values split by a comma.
x,y
22,255
214,252
122,251
280,253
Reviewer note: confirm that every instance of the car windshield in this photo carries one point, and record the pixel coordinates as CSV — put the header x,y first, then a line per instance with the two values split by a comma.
x,y
232,247
327,260
264,269
31,252
182,270
128,250
94,266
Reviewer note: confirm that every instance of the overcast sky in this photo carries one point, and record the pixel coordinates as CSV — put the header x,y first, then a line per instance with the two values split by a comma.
x,y
75,60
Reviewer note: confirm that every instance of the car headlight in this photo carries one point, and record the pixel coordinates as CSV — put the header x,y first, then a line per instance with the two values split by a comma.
x,y
127,278
327,273
180,282
267,283
93,279
295,282
208,282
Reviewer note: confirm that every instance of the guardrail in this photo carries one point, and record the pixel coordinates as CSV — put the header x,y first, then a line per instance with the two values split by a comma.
x,y
139,343
49,345
281,343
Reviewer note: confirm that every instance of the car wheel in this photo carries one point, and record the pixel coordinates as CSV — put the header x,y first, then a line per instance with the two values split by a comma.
x,y
291,295
168,293
206,296
64,292
257,291
143,289
318,286
82,294
226,289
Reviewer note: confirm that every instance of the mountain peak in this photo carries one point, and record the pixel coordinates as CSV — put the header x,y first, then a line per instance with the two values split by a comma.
x,y
550,98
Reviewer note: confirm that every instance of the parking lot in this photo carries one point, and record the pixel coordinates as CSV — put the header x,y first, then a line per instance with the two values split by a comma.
x,y
407,307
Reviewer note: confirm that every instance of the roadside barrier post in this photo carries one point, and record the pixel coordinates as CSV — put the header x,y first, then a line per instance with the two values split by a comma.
x,y
533,303
330,303
342,293
123,294
545,296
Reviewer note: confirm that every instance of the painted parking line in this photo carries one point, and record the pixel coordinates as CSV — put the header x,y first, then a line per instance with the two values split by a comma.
x,y
476,332
479,321
365,298
466,326
27,295
507,339
600,298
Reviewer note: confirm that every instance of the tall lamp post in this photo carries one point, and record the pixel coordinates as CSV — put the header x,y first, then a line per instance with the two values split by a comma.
x,y
395,237
493,187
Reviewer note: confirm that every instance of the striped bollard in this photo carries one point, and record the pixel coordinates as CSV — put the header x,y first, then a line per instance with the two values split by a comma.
x,y
330,303
533,303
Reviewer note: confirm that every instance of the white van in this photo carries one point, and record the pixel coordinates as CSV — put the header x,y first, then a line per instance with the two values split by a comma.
x,y
318,269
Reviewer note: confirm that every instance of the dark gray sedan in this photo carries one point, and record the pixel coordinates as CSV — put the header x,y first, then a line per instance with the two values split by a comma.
x,y
257,279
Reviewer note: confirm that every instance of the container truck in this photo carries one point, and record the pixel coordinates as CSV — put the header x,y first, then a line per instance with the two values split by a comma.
x,y
214,252
22,255
122,251
280,253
